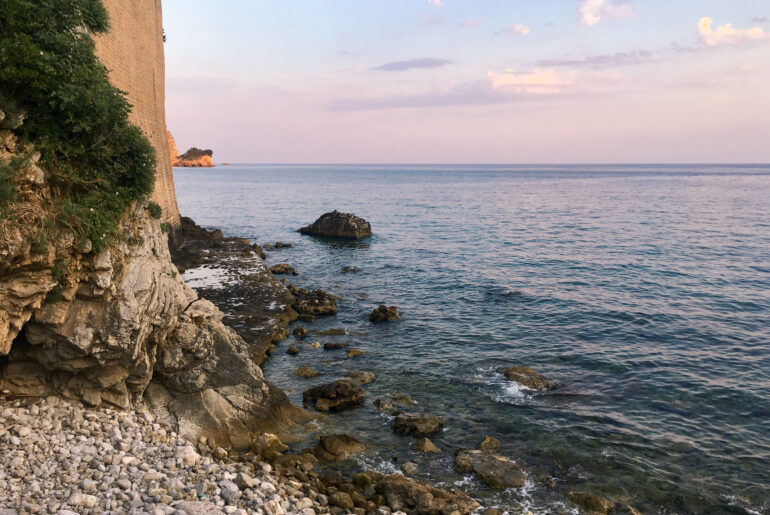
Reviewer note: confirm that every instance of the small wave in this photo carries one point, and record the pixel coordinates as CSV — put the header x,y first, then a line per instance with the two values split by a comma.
x,y
503,390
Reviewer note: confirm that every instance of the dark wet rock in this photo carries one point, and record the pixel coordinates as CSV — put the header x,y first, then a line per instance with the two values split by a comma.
x,y
282,245
307,318
362,377
339,225
408,467
259,251
306,372
300,332
384,313
334,345
527,377
496,471
592,503
354,353
402,400
283,269
417,424
408,496
547,481
315,302
268,446
337,447
336,396
292,350
490,444
425,446
349,270
268,246
335,331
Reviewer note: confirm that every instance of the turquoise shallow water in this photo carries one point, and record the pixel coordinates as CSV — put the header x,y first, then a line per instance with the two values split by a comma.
x,y
644,291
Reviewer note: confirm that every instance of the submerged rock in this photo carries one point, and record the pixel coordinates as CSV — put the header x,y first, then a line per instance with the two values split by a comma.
x,y
362,377
527,377
292,350
354,353
337,396
349,270
417,424
306,372
494,470
334,345
425,446
335,331
283,269
300,332
339,225
402,400
408,467
591,502
385,406
337,447
490,444
384,313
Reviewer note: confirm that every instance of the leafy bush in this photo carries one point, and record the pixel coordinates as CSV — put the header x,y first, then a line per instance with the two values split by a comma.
x,y
96,162
154,210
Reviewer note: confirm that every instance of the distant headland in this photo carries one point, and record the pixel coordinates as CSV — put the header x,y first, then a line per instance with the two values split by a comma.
x,y
193,158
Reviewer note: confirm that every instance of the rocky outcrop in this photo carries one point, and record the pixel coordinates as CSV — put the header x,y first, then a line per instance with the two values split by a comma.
x,y
339,225
417,424
337,447
313,303
404,495
194,158
496,471
336,396
528,378
120,327
384,313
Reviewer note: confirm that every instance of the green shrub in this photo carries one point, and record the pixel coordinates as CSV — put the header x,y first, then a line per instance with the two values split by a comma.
x,y
154,210
165,228
96,162
39,243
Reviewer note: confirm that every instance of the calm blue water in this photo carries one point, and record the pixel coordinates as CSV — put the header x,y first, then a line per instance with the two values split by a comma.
x,y
644,291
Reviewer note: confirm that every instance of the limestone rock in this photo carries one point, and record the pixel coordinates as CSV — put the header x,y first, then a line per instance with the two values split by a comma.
x,y
591,503
402,494
339,225
306,372
490,444
425,446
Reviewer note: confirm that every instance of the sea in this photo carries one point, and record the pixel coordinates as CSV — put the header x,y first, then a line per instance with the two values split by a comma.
x,y
643,291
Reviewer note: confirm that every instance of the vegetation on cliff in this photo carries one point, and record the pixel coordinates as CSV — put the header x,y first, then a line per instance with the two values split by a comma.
x,y
96,162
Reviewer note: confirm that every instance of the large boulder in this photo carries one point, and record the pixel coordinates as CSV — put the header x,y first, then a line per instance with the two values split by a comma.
x,y
339,225
528,378
496,471
337,447
417,424
336,396
404,495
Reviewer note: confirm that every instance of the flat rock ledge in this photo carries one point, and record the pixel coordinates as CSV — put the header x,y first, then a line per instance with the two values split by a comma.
x,y
339,225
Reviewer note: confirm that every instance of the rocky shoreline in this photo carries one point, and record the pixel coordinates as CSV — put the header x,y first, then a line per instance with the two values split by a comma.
x,y
61,457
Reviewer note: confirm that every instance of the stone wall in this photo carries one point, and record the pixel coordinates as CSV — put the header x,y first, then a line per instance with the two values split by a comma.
x,y
133,52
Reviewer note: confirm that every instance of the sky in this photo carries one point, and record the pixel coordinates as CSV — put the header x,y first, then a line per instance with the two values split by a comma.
x,y
470,81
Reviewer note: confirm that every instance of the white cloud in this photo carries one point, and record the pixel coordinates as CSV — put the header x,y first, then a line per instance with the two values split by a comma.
x,y
517,29
727,34
436,3
538,82
594,11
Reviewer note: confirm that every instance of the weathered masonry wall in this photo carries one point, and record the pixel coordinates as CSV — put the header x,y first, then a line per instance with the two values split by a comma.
x,y
133,52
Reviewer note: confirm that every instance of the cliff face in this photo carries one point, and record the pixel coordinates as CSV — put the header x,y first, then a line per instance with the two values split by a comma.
x,y
133,52
120,327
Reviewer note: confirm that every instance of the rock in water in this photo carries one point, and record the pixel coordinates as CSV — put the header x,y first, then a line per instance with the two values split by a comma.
x,y
283,269
525,376
417,424
496,471
405,495
384,313
339,225
313,303
425,446
336,396
591,502
361,377
490,443
306,372
337,447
